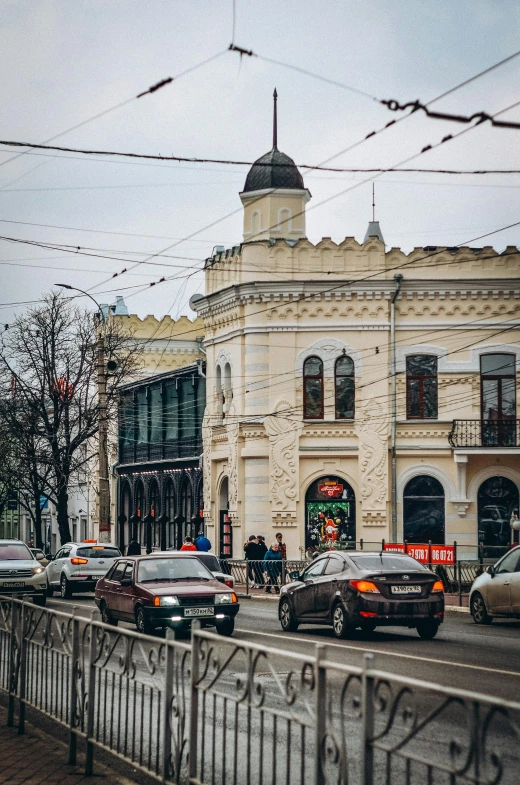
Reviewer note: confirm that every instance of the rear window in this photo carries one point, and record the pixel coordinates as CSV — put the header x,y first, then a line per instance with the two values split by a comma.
x,y
16,550
98,552
384,561
211,562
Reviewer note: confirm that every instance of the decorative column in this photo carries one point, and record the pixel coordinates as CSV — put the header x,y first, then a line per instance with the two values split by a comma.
x,y
461,502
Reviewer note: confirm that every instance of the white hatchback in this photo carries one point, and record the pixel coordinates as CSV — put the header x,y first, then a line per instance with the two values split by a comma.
x,y
78,566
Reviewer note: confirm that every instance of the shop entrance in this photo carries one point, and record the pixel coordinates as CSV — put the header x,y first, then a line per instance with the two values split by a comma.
x,y
330,515
225,530
497,503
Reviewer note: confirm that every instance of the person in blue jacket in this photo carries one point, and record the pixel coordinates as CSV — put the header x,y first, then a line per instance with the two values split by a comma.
x,y
273,568
202,543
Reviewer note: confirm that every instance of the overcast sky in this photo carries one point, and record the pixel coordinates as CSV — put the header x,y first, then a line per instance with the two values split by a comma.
x,y
64,62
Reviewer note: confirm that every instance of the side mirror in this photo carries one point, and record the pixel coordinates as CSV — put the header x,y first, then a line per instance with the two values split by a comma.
x,y
294,576
126,582
491,570
221,579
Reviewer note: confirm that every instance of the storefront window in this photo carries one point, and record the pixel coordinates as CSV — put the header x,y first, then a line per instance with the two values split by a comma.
x,y
423,511
497,502
313,389
330,509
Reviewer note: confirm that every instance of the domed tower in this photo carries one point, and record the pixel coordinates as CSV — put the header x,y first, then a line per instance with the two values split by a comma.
x,y
274,195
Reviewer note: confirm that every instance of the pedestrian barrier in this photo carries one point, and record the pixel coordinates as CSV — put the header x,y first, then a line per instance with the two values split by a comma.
x,y
222,710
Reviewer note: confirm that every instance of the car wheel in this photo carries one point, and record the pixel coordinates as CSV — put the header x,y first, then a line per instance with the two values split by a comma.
x,y
479,610
287,619
65,591
340,625
141,622
226,627
50,590
427,630
106,616
40,599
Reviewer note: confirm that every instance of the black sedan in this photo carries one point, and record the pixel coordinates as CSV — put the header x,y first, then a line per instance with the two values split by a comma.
x,y
366,590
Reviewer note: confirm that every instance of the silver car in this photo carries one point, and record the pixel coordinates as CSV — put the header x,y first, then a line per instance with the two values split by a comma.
x,y
78,566
20,572
497,591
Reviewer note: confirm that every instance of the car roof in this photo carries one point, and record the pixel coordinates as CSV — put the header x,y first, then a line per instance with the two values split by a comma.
x,y
190,553
161,555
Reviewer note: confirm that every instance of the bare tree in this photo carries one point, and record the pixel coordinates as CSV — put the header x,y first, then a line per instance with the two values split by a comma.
x,y
48,371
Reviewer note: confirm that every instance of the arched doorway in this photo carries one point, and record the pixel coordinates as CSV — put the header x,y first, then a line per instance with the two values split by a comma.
x,y
497,500
154,514
126,513
330,514
225,530
186,507
169,511
139,512
424,510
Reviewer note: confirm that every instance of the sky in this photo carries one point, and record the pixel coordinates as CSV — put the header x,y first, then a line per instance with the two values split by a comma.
x,y
65,62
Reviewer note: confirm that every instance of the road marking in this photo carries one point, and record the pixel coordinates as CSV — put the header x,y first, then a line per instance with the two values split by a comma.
x,y
386,653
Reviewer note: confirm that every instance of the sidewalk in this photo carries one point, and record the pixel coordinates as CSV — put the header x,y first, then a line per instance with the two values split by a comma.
x,y
36,757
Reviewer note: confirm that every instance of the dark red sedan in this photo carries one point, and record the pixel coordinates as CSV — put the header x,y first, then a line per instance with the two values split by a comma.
x,y
163,590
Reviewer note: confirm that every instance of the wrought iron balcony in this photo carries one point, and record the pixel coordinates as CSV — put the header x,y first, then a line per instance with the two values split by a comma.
x,y
485,433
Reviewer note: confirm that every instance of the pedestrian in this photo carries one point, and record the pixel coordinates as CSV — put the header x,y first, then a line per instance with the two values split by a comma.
x,y
134,548
188,545
261,551
252,556
273,568
282,546
202,543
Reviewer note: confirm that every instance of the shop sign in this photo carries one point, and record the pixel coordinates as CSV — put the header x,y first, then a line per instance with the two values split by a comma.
x,y
424,552
332,490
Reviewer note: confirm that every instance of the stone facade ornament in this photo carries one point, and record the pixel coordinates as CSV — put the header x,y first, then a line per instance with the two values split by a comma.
x,y
373,437
284,434
206,463
232,429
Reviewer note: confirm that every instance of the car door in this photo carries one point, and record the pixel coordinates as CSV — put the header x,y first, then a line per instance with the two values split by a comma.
x,y
113,589
498,588
59,562
305,593
126,597
514,586
326,584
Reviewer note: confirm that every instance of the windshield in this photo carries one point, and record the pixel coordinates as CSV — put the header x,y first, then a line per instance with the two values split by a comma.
x,y
172,570
386,561
98,552
210,561
16,550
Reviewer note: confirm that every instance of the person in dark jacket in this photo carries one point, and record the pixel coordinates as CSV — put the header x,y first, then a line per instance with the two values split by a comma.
x,y
273,568
202,543
261,551
134,548
252,555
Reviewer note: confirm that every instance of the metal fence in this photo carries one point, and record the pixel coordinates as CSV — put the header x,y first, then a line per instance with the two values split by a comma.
x,y
228,712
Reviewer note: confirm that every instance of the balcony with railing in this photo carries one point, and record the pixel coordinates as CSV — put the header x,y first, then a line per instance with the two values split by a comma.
x,y
485,433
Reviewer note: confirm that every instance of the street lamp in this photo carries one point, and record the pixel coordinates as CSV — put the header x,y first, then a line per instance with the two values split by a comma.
x,y
103,481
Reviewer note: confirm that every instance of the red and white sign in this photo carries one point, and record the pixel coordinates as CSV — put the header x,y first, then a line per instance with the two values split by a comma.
x,y
331,490
424,552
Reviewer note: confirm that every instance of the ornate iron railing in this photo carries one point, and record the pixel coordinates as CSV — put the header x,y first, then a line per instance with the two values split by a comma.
x,y
228,711
485,433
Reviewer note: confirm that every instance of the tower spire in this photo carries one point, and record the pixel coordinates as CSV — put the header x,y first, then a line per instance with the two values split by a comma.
x,y
275,121
373,202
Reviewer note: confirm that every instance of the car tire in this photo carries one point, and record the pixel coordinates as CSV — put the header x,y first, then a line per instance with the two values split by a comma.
x,y
40,599
226,627
141,622
340,626
479,611
50,590
427,630
106,616
287,618
65,590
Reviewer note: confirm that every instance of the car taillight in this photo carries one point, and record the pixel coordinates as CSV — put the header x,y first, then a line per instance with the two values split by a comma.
x,y
76,560
438,586
364,586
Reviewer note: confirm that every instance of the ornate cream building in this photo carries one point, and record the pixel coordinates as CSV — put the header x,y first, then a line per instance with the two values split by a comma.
x,y
356,392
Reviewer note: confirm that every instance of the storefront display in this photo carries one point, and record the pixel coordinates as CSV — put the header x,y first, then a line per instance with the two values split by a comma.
x,y
330,509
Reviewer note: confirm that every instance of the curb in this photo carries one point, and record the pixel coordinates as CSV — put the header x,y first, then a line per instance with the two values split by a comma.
x,y
456,609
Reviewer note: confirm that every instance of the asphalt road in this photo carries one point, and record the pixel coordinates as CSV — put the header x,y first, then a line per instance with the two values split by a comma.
x,y
485,659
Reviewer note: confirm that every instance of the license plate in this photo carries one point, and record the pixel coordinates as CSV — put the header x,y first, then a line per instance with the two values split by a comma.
x,y
406,589
13,585
199,612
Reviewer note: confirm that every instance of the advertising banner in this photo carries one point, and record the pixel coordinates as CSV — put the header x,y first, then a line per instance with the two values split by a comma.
x,y
424,552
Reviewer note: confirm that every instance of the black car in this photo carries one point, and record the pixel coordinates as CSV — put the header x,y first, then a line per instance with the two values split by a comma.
x,y
363,589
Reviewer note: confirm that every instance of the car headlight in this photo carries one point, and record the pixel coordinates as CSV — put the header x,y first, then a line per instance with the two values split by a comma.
x,y
168,600
225,599
38,570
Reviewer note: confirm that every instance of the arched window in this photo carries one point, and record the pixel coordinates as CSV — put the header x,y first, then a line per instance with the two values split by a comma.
x,y
421,387
139,510
313,389
344,386
186,505
497,502
423,510
219,393
169,510
256,223
285,220
498,399
154,512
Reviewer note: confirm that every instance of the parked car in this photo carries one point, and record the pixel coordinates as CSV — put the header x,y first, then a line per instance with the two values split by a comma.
x,y
20,572
497,591
213,564
349,589
165,590
40,556
78,566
